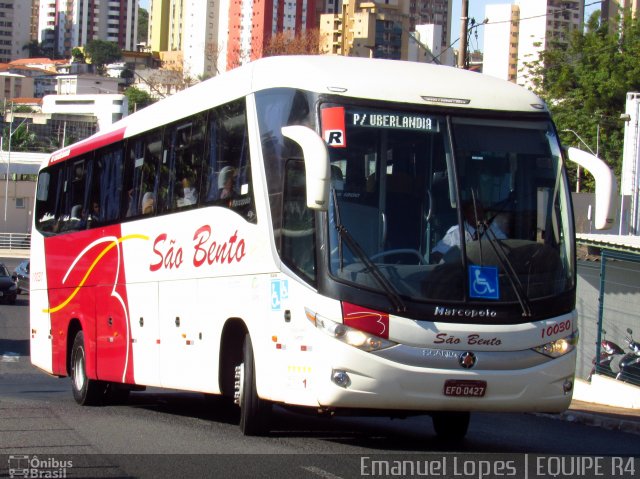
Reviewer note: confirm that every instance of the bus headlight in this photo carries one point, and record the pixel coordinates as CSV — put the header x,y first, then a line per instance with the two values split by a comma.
x,y
559,347
348,335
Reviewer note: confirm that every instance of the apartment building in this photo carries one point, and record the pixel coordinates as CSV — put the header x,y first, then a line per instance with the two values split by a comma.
x,y
66,24
15,28
191,29
367,29
614,11
15,86
251,24
516,34
215,36
438,14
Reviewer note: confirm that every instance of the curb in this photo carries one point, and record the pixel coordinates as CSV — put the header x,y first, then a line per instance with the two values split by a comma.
x,y
596,420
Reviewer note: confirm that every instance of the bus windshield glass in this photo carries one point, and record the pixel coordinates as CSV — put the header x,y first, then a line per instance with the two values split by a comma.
x,y
446,208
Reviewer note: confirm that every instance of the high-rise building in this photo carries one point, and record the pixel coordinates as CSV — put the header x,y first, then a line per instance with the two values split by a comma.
x,y
15,29
433,12
515,35
66,24
191,29
252,23
614,11
214,36
159,12
367,29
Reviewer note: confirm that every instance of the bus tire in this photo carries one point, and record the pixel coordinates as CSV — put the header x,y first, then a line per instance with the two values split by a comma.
x,y
254,412
86,392
451,425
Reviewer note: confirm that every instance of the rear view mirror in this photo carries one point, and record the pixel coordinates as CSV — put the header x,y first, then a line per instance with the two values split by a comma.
x,y
316,162
606,186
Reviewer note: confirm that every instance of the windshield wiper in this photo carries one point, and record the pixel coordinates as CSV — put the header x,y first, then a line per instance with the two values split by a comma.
x,y
389,290
507,266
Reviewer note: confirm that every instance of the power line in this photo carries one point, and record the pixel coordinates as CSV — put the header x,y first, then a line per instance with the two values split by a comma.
x,y
487,22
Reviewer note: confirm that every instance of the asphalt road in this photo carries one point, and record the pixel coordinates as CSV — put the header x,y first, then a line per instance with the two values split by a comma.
x,y
162,433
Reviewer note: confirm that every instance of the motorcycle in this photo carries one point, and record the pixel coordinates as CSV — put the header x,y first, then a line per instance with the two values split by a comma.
x,y
606,364
630,363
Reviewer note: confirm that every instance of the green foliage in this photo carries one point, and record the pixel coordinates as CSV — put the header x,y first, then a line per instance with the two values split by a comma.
x,y
21,138
77,55
143,25
102,53
585,86
137,98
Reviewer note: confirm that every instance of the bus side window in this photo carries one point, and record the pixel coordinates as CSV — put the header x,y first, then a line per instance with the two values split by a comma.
x,y
107,186
181,165
75,188
228,166
298,223
47,199
143,155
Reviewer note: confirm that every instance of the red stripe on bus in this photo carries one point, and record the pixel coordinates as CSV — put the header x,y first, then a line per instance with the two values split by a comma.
x,y
89,144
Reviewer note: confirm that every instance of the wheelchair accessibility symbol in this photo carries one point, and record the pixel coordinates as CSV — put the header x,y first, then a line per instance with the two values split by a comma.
x,y
279,291
483,282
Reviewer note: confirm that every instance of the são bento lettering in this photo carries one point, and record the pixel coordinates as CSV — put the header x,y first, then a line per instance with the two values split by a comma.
x,y
207,249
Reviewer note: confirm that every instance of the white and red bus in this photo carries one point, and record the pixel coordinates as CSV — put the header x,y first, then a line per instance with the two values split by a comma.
x,y
285,233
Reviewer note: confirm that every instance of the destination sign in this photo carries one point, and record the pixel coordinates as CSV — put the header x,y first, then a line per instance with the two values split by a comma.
x,y
400,121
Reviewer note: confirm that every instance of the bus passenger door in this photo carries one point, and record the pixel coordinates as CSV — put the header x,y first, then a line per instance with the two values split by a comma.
x,y
145,332
178,333
113,334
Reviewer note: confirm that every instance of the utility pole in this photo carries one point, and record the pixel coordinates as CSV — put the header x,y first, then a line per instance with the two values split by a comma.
x,y
464,18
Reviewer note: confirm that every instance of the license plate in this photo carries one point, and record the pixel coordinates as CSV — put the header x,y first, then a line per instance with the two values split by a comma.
x,y
465,388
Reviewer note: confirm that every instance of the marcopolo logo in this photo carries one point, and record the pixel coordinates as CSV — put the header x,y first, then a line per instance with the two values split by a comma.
x,y
33,466
464,312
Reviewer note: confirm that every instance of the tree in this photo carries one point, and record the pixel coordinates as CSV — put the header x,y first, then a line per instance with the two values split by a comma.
x,y
143,25
21,138
102,53
77,55
137,98
585,83
38,50
288,43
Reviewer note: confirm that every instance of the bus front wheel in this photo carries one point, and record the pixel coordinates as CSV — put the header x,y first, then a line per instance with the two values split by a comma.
x,y
254,412
451,425
86,392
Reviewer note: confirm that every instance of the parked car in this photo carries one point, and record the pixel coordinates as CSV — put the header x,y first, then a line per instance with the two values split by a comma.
x,y
8,286
22,277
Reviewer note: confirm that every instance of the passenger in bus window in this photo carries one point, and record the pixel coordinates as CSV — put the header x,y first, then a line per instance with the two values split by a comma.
x,y
148,203
226,182
93,218
190,194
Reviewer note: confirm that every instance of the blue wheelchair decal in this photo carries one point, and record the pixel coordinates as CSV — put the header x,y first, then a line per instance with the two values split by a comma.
x,y
483,282
279,291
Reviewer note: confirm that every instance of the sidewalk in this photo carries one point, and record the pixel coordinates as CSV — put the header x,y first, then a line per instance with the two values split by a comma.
x,y
598,415
607,417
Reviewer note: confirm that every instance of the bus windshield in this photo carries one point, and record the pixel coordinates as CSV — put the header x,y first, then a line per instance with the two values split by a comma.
x,y
429,207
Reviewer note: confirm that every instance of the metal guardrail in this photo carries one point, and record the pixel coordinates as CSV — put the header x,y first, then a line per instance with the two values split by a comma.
x,y
15,241
618,319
